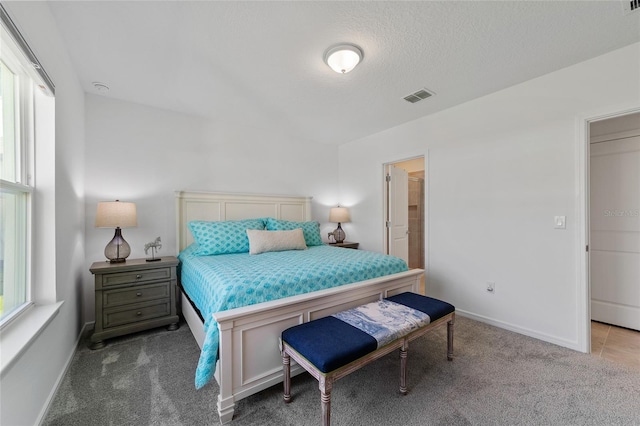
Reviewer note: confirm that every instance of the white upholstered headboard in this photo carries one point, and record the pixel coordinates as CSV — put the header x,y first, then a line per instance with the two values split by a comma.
x,y
217,206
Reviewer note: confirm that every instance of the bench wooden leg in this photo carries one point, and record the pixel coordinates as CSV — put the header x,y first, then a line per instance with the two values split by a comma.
x,y
325,399
286,365
403,368
450,338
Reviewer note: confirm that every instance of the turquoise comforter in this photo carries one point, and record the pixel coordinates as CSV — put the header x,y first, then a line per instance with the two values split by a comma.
x,y
222,282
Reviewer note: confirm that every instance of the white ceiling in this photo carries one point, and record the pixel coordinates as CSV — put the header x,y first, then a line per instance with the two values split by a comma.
x,y
261,63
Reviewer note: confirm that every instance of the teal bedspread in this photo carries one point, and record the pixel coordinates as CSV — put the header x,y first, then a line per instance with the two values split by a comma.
x,y
222,282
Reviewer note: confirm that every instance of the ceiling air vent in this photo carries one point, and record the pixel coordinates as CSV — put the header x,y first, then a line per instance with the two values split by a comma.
x,y
630,5
420,95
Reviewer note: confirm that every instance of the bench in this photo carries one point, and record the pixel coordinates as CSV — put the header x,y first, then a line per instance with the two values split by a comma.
x,y
332,347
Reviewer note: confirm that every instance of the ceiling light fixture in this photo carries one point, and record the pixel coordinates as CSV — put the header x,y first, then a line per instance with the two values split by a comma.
x,y
343,58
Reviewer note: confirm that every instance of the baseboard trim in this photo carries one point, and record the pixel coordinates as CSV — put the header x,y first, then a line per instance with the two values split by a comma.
x,y
570,344
54,390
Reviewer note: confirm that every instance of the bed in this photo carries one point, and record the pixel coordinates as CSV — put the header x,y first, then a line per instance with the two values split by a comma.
x,y
248,336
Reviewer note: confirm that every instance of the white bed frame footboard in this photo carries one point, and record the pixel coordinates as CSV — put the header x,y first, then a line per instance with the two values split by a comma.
x,y
250,358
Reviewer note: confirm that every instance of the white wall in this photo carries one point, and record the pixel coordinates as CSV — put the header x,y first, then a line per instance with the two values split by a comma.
x,y
499,169
28,384
143,154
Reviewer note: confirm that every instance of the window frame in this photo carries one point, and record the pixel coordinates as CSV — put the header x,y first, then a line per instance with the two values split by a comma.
x,y
21,65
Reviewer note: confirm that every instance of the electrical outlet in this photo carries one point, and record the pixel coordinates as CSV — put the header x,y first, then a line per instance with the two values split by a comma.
x,y
491,287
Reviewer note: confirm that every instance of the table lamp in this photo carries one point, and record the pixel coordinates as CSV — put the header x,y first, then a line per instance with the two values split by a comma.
x,y
116,214
340,215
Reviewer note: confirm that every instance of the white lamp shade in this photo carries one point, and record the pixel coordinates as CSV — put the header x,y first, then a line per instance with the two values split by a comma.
x,y
343,58
339,215
114,214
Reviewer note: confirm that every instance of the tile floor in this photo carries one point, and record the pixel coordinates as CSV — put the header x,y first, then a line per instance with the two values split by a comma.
x,y
616,344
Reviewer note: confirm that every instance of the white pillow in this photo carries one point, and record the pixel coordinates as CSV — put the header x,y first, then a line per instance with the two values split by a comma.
x,y
265,241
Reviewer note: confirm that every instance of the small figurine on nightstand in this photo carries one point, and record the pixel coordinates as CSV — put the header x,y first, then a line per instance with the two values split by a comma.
x,y
154,246
330,236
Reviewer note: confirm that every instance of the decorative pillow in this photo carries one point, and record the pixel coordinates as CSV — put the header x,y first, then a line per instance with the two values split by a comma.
x,y
265,241
222,237
311,230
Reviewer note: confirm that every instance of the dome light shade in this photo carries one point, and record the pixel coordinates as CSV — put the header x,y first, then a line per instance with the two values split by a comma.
x,y
343,58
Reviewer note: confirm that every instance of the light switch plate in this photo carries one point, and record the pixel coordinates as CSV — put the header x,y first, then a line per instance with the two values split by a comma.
x,y
560,222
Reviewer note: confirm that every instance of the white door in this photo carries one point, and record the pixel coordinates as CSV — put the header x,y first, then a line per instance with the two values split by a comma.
x,y
398,212
615,232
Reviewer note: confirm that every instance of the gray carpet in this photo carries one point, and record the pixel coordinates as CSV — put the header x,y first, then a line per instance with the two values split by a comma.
x,y
497,378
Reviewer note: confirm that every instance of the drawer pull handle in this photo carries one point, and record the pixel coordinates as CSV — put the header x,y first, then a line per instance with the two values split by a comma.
x,y
138,276
138,294
138,313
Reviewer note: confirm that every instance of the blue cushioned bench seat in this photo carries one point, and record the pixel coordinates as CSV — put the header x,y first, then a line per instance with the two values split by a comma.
x,y
332,347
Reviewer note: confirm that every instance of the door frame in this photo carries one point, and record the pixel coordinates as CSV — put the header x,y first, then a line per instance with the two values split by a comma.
x,y
385,242
583,236
397,192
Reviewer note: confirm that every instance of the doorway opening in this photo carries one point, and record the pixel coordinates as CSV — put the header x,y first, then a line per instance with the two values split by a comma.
x,y
592,240
614,225
405,211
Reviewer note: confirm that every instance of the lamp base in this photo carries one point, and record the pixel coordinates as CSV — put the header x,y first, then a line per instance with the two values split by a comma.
x,y
118,249
155,259
339,234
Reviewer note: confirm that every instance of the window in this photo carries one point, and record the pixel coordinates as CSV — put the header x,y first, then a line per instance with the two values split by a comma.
x,y
20,76
15,195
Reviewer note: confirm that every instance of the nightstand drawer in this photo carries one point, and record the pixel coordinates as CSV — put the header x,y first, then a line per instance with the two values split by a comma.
x,y
141,293
136,276
114,317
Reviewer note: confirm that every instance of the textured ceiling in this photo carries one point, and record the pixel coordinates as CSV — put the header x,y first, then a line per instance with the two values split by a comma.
x,y
260,63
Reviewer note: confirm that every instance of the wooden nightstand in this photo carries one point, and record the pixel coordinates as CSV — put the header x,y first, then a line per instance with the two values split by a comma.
x,y
133,296
346,244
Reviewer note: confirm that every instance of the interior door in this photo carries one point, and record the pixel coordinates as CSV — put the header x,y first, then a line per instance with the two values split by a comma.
x,y
398,212
615,232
